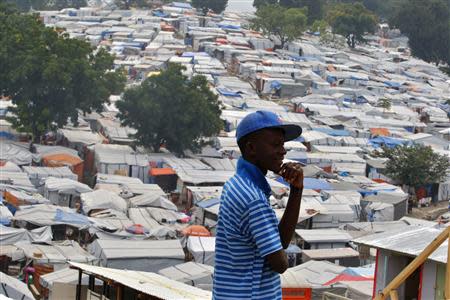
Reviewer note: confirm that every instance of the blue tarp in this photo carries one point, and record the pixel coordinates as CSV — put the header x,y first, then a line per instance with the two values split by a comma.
x,y
228,26
193,54
275,85
333,132
392,84
181,5
374,192
158,13
386,141
228,93
71,218
361,271
311,183
208,203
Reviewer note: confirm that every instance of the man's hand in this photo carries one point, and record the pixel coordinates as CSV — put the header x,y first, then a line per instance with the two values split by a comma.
x,y
293,174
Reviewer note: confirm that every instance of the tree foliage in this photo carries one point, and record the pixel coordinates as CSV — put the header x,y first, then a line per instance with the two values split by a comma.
x,y
169,109
49,76
427,25
351,21
315,8
385,103
415,165
217,6
286,24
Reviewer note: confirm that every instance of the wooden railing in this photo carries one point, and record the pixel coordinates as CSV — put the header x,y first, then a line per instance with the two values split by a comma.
x,y
391,289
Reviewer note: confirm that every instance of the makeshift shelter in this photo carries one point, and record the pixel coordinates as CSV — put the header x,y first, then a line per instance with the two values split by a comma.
x,y
191,273
16,181
10,236
75,163
64,191
152,200
38,175
346,257
202,249
322,238
102,199
14,288
138,255
143,217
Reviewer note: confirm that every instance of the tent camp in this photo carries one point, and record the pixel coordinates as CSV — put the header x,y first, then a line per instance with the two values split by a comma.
x,y
142,216
143,255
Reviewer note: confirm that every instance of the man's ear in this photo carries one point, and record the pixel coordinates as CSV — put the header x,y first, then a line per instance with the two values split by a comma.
x,y
251,148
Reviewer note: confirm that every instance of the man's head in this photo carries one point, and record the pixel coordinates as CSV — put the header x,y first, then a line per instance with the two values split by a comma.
x,y
261,136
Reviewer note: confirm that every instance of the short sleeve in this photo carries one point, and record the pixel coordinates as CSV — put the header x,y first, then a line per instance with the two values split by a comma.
x,y
262,225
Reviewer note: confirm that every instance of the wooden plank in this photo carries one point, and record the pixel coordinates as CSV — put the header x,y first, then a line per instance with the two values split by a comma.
x,y
394,295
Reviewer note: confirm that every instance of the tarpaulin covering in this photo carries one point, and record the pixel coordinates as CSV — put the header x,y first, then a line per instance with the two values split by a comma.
x,y
311,183
333,132
346,277
228,93
386,141
379,131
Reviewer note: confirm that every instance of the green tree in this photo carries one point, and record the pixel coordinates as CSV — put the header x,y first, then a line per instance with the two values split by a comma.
x,y
49,76
385,103
415,165
315,7
351,21
259,3
286,24
217,6
426,23
169,109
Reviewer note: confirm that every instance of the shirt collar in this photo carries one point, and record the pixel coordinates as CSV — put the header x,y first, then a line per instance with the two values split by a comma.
x,y
252,172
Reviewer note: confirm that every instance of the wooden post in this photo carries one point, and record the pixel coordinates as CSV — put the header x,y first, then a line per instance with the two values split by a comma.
x,y
394,295
417,262
447,276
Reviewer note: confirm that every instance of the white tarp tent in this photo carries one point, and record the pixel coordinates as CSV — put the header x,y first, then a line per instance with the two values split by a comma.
x,y
202,249
63,191
142,216
102,199
191,273
146,255
9,235
14,288
152,200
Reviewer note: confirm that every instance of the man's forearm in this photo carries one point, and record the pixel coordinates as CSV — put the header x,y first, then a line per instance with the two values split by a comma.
x,y
290,216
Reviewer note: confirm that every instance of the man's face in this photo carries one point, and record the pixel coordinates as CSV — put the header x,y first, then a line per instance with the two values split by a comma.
x,y
268,149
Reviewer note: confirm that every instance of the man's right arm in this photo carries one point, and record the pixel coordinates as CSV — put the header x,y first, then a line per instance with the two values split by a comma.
x,y
278,261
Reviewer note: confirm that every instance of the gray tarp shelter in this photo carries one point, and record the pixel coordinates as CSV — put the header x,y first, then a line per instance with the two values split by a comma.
x,y
146,255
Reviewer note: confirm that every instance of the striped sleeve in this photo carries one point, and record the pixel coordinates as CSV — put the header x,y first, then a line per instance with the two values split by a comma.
x,y
262,225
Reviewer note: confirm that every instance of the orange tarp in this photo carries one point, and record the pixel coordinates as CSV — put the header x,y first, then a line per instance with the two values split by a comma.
x,y
379,131
63,159
196,230
161,171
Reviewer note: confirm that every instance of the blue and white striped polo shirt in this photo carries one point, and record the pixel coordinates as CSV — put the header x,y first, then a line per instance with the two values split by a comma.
x,y
247,231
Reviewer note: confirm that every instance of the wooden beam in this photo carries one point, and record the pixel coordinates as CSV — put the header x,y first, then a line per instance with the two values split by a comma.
x,y
394,295
447,276
417,262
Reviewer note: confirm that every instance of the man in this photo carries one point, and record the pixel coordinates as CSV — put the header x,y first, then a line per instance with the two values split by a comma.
x,y
249,241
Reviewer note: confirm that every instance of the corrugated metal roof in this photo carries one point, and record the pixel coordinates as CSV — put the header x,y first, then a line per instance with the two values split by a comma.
x,y
323,235
410,241
149,283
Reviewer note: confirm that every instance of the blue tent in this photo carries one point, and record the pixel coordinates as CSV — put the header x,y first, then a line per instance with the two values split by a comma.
x,y
386,141
182,5
392,84
333,132
310,183
71,218
228,93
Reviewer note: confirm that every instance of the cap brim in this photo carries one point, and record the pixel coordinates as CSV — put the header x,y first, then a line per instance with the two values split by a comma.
x,y
291,131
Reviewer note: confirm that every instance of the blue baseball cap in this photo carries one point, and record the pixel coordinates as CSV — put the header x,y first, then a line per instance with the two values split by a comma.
x,y
265,119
